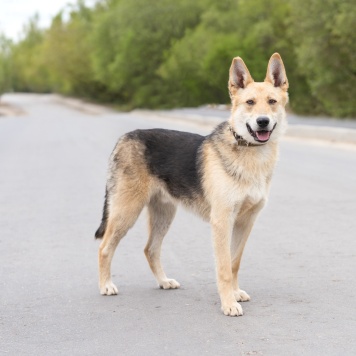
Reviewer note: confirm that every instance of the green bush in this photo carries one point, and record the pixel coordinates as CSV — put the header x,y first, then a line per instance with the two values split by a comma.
x,y
200,61
29,71
5,65
325,38
168,53
129,42
67,53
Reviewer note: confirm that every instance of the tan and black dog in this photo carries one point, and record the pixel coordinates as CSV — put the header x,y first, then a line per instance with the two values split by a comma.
x,y
224,177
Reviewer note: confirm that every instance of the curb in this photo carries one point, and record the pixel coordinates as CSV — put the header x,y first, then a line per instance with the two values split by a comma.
x,y
326,134
323,133
81,105
306,132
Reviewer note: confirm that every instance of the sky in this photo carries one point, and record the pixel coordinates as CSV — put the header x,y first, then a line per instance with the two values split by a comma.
x,y
15,13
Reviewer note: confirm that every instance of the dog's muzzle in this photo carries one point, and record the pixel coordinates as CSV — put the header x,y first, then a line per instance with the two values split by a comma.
x,y
261,135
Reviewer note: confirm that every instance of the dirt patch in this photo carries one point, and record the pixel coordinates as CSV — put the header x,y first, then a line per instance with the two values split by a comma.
x,y
9,110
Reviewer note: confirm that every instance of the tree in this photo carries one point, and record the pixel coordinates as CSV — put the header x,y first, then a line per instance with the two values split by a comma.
x,y
5,64
167,53
67,51
29,69
130,39
325,45
198,64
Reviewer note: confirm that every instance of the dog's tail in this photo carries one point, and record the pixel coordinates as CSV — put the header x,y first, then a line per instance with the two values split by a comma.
x,y
102,228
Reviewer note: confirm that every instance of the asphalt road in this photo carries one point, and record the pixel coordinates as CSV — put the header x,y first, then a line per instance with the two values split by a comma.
x,y
299,264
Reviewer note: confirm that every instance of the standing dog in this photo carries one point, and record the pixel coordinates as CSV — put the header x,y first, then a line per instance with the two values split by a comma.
x,y
224,177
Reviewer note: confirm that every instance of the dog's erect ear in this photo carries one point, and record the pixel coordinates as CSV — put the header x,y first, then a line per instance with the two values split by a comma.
x,y
239,76
276,74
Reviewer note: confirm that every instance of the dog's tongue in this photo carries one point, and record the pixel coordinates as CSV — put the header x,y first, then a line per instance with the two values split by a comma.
x,y
263,135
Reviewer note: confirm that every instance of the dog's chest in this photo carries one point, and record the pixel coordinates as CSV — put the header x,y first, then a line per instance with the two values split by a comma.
x,y
243,178
249,184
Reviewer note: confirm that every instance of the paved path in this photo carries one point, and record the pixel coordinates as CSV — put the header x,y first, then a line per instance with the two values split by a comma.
x,y
299,264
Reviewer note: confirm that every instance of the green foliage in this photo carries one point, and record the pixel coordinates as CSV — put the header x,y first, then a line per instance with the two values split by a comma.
x,y
167,53
5,64
325,38
29,73
203,56
67,51
129,42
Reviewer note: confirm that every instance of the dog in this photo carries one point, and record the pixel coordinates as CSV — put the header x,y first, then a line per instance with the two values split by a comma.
x,y
223,177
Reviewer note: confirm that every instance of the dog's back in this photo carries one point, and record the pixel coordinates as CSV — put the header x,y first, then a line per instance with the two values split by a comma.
x,y
172,157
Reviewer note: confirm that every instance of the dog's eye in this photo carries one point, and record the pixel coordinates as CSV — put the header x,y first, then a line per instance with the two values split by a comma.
x,y
250,102
272,101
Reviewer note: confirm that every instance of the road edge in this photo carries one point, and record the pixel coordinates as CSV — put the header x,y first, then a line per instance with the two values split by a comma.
x,y
327,134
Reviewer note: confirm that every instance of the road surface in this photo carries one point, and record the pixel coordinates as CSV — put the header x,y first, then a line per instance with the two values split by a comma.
x,y
299,264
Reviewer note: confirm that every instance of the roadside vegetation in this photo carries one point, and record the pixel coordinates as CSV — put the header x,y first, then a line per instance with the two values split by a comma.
x,y
171,53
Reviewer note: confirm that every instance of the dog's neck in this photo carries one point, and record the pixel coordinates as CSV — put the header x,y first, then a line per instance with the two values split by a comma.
x,y
240,140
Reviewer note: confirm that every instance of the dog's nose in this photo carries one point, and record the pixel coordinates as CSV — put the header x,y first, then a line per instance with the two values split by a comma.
x,y
262,121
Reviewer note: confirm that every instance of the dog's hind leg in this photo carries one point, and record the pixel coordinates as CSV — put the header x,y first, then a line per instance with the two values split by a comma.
x,y
160,216
121,218
241,232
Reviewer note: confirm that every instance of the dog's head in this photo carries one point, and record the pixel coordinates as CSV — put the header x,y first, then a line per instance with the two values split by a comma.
x,y
258,109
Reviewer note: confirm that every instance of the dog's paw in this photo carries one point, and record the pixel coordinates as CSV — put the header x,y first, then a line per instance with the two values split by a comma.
x,y
108,288
169,284
241,296
233,309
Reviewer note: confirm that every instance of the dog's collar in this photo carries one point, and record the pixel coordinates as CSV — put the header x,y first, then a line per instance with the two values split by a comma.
x,y
240,140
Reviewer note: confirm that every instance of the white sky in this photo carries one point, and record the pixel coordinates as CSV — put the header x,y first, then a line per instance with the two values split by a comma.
x,y
15,13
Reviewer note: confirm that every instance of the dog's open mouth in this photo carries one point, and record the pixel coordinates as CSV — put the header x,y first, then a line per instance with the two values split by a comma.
x,y
261,135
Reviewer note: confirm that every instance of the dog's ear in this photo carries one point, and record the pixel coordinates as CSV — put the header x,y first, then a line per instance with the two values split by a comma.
x,y
276,73
239,76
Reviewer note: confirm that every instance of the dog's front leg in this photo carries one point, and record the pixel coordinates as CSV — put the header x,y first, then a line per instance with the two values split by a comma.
x,y
241,232
222,224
